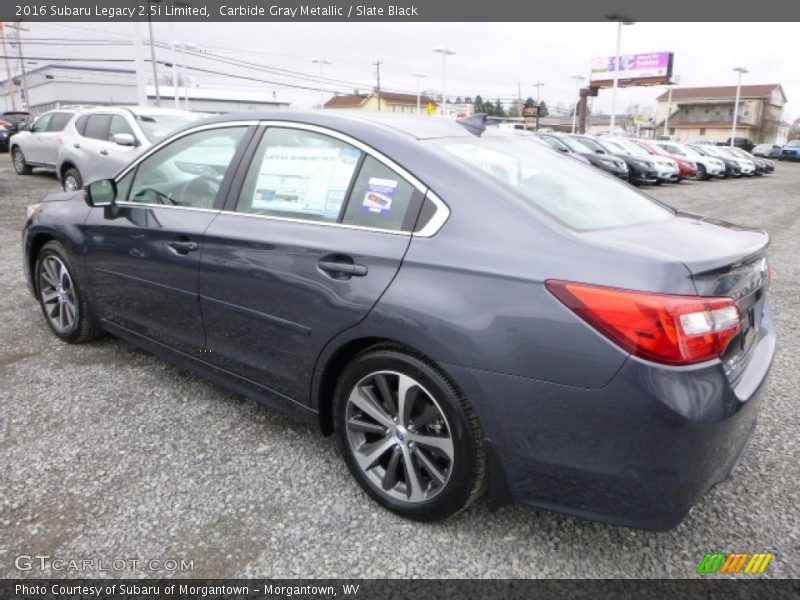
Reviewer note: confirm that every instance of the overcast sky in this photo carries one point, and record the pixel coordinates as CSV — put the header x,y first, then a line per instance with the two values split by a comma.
x,y
490,59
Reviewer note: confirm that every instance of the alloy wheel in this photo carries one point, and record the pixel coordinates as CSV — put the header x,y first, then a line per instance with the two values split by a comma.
x,y
70,184
399,437
19,161
57,293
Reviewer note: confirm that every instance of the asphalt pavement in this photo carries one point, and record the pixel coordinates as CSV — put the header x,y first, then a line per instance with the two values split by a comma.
x,y
109,454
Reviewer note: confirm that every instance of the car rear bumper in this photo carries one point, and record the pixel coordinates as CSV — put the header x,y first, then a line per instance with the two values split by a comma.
x,y
639,452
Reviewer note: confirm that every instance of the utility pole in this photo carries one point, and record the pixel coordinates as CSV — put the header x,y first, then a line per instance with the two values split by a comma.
x,y
19,29
741,71
153,55
538,85
9,79
377,64
519,99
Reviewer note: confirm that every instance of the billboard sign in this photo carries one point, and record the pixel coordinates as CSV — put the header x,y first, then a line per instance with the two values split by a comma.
x,y
654,68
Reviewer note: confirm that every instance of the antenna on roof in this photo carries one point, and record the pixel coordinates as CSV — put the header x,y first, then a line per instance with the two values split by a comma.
x,y
475,124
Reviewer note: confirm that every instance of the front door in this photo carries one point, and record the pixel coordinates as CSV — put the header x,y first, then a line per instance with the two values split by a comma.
x,y
315,236
143,261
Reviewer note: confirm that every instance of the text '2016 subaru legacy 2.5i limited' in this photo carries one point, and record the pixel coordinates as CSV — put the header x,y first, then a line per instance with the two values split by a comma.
x,y
462,308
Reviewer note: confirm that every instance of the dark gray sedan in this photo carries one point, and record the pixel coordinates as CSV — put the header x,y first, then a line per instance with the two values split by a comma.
x,y
464,309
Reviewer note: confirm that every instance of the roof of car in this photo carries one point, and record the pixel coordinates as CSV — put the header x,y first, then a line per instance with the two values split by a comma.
x,y
417,127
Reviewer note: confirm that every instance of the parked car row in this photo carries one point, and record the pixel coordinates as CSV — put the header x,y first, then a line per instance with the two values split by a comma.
x,y
657,161
86,144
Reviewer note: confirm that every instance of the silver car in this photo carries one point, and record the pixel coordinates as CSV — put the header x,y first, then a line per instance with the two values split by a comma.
x,y
38,145
98,142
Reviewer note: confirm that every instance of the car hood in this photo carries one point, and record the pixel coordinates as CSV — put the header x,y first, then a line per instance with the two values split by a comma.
x,y
700,243
63,196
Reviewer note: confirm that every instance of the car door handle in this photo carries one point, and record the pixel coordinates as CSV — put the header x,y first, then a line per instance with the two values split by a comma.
x,y
76,145
104,152
342,270
182,246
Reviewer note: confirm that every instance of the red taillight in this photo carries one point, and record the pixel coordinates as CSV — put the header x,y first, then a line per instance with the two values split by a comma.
x,y
674,330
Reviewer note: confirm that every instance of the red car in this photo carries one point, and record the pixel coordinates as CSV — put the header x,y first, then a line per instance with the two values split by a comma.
x,y
686,168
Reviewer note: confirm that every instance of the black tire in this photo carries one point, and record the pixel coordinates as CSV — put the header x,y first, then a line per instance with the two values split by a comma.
x,y
20,166
84,325
701,172
466,473
70,176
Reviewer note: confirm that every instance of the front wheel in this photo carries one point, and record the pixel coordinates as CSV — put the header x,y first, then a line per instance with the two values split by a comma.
x,y
20,166
65,309
72,180
409,438
701,172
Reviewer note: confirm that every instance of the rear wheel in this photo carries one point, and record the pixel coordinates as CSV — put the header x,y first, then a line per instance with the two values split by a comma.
x,y
409,438
65,308
20,166
72,180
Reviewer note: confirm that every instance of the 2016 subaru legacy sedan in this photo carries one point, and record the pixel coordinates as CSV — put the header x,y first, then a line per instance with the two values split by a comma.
x,y
462,308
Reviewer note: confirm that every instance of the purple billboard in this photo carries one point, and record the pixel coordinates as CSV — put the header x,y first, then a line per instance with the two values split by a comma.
x,y
656,67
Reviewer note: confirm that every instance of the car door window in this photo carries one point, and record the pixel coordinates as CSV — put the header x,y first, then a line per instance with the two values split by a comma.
x,y
80,124
42,123
299,174
118,125
97,127
59,121
382,199
189,171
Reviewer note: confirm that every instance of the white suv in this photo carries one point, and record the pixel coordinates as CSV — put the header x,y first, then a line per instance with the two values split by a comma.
x,y
100,141
38,145
707,166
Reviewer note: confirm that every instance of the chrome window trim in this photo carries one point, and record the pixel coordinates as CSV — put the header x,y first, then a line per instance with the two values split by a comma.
x,y
311,222
430,229
151,205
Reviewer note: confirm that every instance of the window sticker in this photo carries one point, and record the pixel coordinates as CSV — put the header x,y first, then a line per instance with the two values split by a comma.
x,y
378,199
304,180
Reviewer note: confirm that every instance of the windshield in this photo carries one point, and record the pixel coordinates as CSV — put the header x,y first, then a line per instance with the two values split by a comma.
x,y
567,191
157,127
576,145
553,143
631,148
672,149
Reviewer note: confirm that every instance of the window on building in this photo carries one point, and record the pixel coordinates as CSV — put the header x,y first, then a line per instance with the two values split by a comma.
x,y
702,131
672,131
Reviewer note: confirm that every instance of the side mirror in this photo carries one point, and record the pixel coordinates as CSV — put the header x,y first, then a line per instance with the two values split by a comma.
x,y
125,139
101,193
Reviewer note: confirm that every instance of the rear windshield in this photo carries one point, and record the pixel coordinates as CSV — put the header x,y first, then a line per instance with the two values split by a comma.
x,y
577,196
157,127
15,118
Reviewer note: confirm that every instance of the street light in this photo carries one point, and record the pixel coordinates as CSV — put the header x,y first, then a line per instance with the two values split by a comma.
x,y
444,51
321,62
418,76
741,71
578,79
621,20
153,52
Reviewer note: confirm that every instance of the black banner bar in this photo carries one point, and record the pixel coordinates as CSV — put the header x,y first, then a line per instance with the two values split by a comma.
x,y
741,588
397,10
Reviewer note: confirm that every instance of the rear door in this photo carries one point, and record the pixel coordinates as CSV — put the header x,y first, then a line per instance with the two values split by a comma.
x,y
312,236
51,139
117,156
143,258
33,147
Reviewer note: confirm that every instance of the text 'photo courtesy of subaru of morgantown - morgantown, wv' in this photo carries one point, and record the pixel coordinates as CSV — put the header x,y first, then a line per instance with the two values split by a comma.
x,y
468,309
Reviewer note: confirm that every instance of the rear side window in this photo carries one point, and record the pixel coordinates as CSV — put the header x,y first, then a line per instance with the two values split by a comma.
x,y
59,121
315,177
299,174
381,199
97,127
80,124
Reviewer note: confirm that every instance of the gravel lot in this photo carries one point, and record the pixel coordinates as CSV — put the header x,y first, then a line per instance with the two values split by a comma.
x,y
109,453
